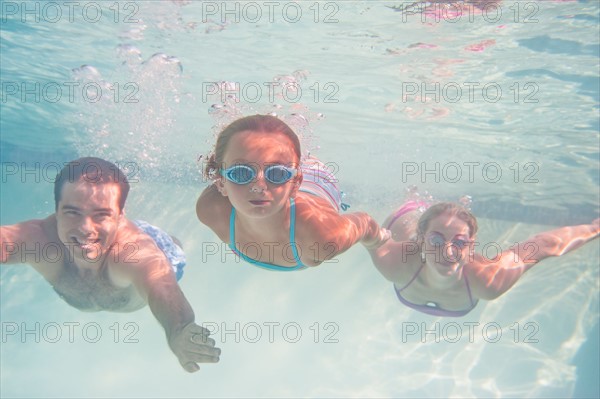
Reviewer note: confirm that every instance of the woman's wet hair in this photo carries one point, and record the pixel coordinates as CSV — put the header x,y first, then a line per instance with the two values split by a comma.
x,y
255,123
447,207
94,171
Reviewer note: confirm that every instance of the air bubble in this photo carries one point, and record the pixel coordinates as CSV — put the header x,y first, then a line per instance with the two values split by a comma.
x,y
466,201
301,74
298,121
86,72
162,60
134,33
129,52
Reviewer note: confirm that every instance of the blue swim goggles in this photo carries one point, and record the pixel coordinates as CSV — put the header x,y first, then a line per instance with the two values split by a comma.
x,y
438,240
244,174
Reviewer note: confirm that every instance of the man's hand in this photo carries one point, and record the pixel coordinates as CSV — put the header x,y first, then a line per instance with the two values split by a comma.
x,y
192,345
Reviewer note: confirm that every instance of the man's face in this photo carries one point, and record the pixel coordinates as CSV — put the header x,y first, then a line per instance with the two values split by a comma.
x,y
88,218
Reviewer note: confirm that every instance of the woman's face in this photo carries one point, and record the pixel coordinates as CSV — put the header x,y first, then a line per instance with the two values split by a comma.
x,y
447,244
259,150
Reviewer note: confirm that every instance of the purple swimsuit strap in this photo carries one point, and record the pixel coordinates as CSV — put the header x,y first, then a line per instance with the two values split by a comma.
x,y
434,310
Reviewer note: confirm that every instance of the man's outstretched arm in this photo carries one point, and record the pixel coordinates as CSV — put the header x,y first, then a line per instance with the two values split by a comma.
x,y
157,284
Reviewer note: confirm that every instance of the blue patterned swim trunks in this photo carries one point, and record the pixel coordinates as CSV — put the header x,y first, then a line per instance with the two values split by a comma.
x,y
172,251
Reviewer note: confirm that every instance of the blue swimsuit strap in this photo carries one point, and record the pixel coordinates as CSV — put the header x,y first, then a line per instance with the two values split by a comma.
x,y
299,264
293,232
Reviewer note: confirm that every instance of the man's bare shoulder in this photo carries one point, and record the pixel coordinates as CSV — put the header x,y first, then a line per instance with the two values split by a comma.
x,y
134,252
27,237
134,244
36,243
136,259
30,231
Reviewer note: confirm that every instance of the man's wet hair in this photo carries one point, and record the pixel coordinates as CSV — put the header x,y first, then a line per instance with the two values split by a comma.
x,y
91,170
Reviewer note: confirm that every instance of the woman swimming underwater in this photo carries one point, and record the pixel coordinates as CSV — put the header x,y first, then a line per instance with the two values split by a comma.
x,y
432,263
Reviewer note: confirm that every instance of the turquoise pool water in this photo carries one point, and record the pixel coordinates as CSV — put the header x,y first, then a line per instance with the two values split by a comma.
x,y
500,104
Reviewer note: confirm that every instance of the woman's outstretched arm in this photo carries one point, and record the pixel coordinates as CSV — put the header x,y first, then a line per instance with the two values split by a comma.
x,y
492,278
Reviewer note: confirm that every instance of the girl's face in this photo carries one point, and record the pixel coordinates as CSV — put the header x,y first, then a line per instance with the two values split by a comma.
x,y
259,150
447,244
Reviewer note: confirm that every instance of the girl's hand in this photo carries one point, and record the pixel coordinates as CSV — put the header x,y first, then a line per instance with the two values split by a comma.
x,y
383,236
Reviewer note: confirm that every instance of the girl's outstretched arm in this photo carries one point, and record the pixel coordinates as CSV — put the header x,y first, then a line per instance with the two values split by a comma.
x,y
356,227
334,233
391,257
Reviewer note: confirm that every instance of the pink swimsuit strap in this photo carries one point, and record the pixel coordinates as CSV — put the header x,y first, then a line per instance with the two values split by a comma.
x,y
408,206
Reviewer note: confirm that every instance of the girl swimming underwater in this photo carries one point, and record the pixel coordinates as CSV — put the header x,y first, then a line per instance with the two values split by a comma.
x,y
273,210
